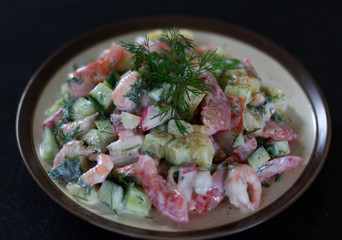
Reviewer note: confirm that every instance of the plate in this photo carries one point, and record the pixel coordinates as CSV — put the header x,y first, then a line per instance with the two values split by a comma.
x,y
307,114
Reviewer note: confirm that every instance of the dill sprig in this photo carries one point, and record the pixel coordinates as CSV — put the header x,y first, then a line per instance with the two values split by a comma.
x,y
175,65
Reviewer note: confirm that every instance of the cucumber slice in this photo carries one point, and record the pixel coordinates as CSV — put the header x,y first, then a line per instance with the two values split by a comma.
x,y
84,164
55,107
177,151
104,125
82,108
174,130
137,201
112,79
277,149
80,192
98,139
130,121
155,142
65,90
101,96
244,92
155,94
238,141
258,158
111,194
49,146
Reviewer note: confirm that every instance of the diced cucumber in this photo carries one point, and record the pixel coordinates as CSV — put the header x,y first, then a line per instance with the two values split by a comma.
x,y
80,192
104,125
130,121
277,149
177,151
49,146
155,142
101,96
65,90
192,99
174,130
137,201
244,92
84,164
155,94
112,79
238,141
251,121
258,158
82,108
110,193
201,150
105,139
98,139
251,82
55,107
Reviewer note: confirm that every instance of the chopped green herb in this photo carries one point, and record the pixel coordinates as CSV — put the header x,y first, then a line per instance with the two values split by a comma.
x,y
68,171
130,148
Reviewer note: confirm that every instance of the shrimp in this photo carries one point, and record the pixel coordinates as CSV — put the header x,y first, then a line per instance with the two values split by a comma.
x,y
124,87
215,107
72,149
84,125
164,195
214,195
98,173
125,150
84,79
274,132
278,165
202,182
243,187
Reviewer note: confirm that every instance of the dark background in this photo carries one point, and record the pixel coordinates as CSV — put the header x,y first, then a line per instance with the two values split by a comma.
x,y
32,30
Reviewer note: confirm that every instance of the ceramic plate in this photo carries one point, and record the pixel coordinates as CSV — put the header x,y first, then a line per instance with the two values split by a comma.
x,y
307,115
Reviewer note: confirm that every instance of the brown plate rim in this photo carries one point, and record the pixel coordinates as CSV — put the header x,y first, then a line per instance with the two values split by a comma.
x,y
31,94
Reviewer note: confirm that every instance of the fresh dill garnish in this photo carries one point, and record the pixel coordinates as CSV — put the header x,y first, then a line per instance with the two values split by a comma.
x,y
130,148
252,131
257,108
175,65
232,107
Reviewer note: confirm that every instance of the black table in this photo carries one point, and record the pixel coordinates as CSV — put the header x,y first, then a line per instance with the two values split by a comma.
x,y
32,30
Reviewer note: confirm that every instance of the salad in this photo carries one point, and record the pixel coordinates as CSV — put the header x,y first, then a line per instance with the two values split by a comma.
x,y
165,123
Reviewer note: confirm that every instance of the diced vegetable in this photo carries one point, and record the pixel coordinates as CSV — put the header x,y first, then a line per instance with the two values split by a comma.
x,y
112,79
80,192
258,158
238,141
174,130
244,92
98,139
201,149
101,96
155,142
130,121
82,108
65,90
277,149
104,125
110,193
251,82
177,151
193,100
251,121
55,107
49,146
137,201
